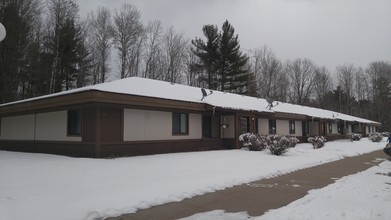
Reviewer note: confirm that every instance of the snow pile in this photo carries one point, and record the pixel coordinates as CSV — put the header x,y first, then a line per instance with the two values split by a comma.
x,y
45,187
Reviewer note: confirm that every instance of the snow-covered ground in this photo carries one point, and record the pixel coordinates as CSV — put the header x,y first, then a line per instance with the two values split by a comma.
x,y
365,195
45,187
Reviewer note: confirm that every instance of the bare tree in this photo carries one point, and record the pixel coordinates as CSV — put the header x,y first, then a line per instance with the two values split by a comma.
x,y
100,33
323,84
362,93
380,77
152,44
268,71
301,74
128,30
345,75
192,73
174,47
62,28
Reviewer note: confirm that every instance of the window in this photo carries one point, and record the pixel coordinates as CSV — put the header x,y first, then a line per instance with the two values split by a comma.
x,y
244,125
330,128
180,123
272,126
292,126
74,122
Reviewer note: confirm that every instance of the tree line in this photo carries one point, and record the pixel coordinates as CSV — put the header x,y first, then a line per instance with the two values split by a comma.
x,y
49,48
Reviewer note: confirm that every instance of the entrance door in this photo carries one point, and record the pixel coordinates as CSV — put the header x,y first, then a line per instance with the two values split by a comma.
x,y
207,126
305,128
210,126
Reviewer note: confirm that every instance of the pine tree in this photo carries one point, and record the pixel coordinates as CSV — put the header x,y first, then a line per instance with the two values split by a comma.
x,y
18,17
221,60
208,53
232,64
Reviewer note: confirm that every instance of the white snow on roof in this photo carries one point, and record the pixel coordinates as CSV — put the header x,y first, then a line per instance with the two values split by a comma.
x,y
318,113
165,90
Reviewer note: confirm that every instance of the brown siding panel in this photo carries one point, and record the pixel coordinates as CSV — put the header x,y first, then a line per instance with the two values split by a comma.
x,y
88,134
159,147
60,148
111,124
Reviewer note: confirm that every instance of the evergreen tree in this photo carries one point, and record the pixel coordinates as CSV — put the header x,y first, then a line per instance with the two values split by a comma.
x,y
208,54
232,63
221,60
18,17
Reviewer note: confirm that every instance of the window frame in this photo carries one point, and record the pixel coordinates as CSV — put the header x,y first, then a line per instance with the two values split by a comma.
x,y
71,131
292,123
330,128
271,123
179,124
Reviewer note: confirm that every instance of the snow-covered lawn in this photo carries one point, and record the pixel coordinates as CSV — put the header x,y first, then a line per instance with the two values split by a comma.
x,y
45,187
365,195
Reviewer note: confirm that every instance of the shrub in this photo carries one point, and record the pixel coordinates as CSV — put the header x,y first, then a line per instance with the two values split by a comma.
x,y
252,142
280,144
275,143
293,141
375,137
317,142
356,137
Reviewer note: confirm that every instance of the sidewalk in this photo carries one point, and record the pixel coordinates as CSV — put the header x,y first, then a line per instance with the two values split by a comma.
x,y
257,197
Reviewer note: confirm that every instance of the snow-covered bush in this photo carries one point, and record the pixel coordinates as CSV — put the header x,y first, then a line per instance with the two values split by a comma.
x,y
293,141
253,142
317,142
356,137
278,144
375,137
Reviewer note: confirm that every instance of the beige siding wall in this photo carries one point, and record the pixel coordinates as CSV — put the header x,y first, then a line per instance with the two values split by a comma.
x,y
314,128
282,127
349,130
52,126
299,129
335,128
228,132
263,126
370,129
17,127
45,127
142,125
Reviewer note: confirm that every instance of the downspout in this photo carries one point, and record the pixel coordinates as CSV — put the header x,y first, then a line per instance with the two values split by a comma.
x,y
35,131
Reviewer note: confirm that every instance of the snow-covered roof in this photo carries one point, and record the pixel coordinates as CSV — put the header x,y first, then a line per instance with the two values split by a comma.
x,y
165,90
318,113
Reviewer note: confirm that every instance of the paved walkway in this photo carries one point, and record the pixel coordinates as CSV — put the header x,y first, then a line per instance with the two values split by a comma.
x,y
258,197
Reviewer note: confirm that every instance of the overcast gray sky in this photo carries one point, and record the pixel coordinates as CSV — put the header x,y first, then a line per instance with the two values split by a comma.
x,y
329,32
